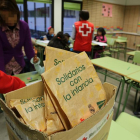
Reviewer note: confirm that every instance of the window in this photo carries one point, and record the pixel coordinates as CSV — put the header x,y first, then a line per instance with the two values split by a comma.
x,y
39,17
20,6
71,15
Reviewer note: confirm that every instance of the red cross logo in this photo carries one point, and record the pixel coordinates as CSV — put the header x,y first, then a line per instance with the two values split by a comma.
x,y
84,138
85,29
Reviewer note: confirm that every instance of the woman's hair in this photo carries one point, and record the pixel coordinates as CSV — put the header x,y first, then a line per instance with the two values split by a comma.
x,y
9,5
67,35
59,41
102,30
84,15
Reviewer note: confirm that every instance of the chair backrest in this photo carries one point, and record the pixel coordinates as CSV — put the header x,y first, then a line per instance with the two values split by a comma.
x,y
111,42
107,35
121,37
136,58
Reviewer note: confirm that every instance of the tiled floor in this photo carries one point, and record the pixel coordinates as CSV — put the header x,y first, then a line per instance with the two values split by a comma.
x,y
129,107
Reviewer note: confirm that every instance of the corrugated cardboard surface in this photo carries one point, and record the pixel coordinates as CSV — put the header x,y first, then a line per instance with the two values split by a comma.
x,y
73,134
12,135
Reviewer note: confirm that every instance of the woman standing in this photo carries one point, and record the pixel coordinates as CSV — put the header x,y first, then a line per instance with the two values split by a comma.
x,y
83,33
14,34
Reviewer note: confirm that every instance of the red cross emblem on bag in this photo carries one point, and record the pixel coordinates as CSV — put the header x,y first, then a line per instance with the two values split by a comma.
x,y
84,138
85,29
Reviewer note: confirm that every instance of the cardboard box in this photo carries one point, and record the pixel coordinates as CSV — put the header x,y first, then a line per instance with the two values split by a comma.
x,y
94,128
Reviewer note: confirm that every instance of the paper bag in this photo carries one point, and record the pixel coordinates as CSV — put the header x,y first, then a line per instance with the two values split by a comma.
x,y
75,89
53,121
56,56
32,112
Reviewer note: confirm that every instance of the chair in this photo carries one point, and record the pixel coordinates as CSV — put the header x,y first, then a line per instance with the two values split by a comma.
x,y
121,37
130,123
120,133
108,35
112,48
106,52
122,45
138,47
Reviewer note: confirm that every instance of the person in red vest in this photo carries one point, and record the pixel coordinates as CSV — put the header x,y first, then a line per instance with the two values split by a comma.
x,y
9,83
83,34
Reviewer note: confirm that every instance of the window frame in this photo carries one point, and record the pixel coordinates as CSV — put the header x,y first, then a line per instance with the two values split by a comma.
x,y
25,8
80,2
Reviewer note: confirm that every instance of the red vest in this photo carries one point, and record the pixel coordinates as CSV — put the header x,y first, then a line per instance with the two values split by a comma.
x,y
83,39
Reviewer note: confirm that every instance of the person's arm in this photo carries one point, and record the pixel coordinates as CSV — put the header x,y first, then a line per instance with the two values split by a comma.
x,y
37,66
73,32
9,83
2,65
28,47
95,38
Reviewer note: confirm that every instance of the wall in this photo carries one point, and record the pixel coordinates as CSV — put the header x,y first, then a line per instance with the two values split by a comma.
x,y
121,2
95,9
127,17
133,2
131,20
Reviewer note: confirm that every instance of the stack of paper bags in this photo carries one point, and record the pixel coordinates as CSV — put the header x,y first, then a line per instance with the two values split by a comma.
x,y
72,86
73,93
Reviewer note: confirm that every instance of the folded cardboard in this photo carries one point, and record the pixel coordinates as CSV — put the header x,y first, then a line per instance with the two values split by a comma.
x,y
94,128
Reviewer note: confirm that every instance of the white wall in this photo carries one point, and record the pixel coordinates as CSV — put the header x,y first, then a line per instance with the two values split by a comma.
x,y
57,15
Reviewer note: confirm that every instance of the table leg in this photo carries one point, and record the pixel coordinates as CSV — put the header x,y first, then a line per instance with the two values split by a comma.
x,y
135,102
105,75
130,58
128,91
123,84
125,51
118,90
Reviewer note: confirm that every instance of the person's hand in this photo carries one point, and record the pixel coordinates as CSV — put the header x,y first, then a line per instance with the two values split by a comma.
x,y
97,40
45,38
35,60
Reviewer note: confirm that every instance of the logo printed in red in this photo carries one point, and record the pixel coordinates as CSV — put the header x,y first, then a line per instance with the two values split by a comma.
x,y
84,138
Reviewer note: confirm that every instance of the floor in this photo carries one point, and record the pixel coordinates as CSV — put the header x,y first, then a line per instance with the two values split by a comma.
x,y
129,107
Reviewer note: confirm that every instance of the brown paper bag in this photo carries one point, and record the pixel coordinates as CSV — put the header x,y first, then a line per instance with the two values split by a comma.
x,y
56,56
14,102
75,89
32,111
53,121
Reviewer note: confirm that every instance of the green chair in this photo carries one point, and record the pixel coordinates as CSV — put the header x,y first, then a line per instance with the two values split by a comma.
x,y
122,46
130,123
138,47
119,133
108,35
121,37
112,48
